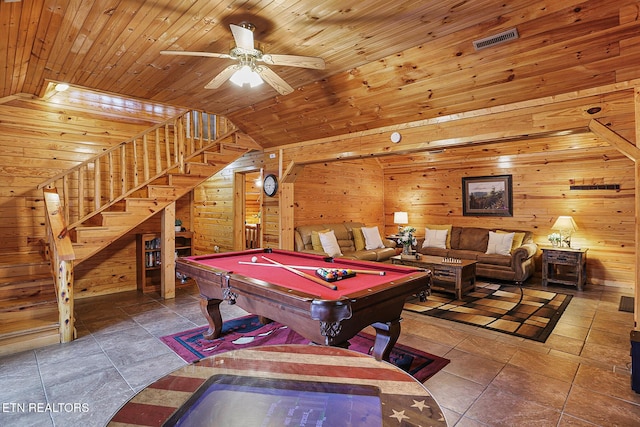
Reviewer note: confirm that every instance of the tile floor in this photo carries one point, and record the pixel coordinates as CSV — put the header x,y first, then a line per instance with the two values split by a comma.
x,y
579,377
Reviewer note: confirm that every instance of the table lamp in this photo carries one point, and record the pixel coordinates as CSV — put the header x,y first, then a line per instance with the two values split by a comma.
x,y
565,225
400,218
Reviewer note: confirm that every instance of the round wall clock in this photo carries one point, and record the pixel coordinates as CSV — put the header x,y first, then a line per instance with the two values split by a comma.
x,y
270,185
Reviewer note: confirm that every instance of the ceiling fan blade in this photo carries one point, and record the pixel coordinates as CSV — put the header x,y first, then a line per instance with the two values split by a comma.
x,y
243,37
187,53
294,61
222,77
274,80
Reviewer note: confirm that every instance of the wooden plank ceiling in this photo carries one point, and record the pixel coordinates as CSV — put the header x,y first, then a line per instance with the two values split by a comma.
x,y
387,61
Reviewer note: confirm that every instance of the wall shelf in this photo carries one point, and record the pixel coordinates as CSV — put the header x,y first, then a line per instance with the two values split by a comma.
x,y
148,258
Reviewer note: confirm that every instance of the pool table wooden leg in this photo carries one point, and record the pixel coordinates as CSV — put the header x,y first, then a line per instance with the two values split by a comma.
x,y
211,311
387,334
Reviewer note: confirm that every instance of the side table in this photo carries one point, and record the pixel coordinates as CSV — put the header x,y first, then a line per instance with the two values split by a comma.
x,y
566,266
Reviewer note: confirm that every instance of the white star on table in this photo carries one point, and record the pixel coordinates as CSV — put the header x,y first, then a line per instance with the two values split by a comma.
x,y
399,415
420,405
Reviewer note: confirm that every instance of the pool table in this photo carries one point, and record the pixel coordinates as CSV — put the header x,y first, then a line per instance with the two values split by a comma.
x,y
374,296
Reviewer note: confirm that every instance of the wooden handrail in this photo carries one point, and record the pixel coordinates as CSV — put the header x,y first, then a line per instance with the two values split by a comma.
x,y
96,184
61,258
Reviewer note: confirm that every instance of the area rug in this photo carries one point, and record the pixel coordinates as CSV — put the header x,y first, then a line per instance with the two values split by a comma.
x,y
247,332
523,312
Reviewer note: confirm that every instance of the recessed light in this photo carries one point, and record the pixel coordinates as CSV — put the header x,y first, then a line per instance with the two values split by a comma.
x,y
61,87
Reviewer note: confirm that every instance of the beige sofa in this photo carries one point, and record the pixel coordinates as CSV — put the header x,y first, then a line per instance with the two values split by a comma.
x,y
472,243
345,235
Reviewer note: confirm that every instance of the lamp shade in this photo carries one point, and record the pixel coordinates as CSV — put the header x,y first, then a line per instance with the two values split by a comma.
x,y
565,223
246,75
400,218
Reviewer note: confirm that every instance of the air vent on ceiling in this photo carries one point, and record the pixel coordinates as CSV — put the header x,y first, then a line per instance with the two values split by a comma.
x,y
503,37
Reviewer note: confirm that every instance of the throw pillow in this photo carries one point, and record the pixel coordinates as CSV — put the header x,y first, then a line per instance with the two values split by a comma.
x,y
435,238
358,238
315,240
372,239
518,238
442,227
499,243
330,243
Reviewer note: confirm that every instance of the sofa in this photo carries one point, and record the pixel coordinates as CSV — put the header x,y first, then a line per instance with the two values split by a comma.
x,y
350,239
500,254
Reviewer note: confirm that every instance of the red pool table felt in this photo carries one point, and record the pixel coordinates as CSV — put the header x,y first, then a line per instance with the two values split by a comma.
x,y
229,262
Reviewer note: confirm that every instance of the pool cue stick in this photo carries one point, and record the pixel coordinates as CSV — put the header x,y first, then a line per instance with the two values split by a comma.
x,y
302,274
307,267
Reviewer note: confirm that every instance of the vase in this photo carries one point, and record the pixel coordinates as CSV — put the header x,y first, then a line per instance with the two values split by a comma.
x,y
554,243
406,250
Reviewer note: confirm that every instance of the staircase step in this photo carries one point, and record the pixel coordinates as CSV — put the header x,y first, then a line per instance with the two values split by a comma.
x,y
109,218
145,206
200,169
220,161
232,149
22,335
28,306
26,286
98,234
23,267
162,191
186,181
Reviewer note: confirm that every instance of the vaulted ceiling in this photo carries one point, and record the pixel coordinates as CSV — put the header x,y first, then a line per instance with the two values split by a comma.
x,y
387,61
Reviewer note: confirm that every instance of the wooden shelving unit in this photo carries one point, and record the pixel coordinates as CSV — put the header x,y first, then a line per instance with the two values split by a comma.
x,y
148,257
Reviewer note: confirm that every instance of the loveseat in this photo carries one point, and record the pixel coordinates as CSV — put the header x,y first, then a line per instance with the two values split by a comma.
x,y
350,238
500,254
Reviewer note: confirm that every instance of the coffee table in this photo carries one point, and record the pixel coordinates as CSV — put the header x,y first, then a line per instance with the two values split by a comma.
x,y
458,278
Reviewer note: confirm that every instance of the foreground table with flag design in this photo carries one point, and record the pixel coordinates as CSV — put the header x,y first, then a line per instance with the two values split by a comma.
x,y
306,385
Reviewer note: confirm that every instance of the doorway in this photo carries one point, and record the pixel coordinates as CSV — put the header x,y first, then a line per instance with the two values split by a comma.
x,y
252,210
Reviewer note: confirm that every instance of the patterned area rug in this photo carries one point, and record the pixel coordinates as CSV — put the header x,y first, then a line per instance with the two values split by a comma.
x,y
247,332
526,313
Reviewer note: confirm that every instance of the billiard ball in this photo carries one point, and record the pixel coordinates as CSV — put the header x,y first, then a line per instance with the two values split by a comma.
x,y
254,259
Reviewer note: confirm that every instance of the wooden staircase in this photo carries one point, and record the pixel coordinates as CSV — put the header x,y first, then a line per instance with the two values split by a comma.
x,y
121,188
28,309
105,227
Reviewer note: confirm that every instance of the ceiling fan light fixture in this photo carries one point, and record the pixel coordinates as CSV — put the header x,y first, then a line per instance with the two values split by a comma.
x,y
246,75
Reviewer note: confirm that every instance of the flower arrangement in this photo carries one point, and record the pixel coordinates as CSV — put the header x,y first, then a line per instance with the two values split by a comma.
x,y
406,238
554,238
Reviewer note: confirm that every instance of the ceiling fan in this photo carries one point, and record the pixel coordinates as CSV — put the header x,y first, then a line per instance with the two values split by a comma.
x,y
248,69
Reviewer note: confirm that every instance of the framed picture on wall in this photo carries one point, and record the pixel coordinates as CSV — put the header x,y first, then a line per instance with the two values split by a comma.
x,y
487,196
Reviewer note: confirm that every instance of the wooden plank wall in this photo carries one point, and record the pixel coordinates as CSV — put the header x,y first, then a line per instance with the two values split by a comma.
x,y
432,194
339,192
213,206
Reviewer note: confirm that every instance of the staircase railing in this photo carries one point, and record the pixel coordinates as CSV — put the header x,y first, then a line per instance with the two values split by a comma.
x,y
62,257
96,184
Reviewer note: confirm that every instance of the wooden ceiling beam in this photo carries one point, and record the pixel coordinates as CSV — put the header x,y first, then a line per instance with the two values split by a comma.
x,y
625,147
